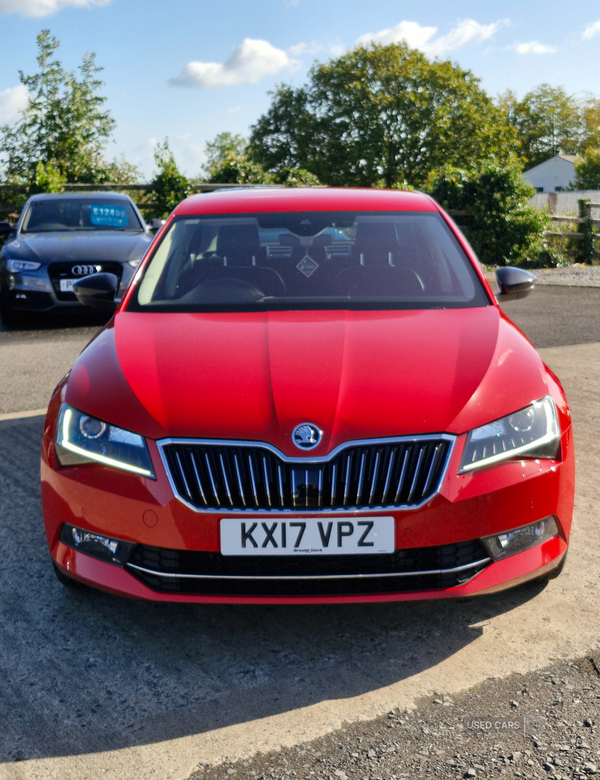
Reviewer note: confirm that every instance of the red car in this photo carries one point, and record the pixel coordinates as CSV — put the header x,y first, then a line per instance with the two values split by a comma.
x,y
307,395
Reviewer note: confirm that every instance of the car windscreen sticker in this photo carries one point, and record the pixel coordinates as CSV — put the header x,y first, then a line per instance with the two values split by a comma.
x,y
108,215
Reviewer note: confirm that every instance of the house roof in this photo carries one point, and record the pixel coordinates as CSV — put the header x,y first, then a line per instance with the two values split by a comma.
x,y
570,158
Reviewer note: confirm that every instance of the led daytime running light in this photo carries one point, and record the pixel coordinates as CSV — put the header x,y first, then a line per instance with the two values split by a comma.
x,y
94,455
540,446
547,439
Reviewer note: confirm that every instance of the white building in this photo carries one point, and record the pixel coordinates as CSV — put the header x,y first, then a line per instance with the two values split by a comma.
x,y
552,175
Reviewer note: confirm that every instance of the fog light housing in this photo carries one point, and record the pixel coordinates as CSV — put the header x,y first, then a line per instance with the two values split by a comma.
x,y
96,545
520,539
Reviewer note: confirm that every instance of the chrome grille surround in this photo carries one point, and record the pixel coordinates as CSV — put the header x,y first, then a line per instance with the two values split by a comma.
x,y
227,476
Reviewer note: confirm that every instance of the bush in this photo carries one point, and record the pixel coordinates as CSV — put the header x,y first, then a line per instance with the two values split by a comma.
x,y
169,186
232,168
502,227
587,170
296,177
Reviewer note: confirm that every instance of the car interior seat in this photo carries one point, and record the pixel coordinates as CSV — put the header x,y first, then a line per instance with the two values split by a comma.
x,y
240,251
377,268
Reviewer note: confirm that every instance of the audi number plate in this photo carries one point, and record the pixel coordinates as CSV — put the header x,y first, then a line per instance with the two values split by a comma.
x,y
298,536
66,285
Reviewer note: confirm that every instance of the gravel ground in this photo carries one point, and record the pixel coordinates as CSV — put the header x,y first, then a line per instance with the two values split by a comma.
x,y
539,725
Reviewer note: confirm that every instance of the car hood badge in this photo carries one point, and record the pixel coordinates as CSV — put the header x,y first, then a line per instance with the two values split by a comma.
x,y
306,436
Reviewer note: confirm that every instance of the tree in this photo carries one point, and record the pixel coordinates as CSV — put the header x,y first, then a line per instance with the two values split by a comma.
x,y
223,146
296,177
503,228
64,124
380,115
236,169
587,170
591,122
548,121
169,187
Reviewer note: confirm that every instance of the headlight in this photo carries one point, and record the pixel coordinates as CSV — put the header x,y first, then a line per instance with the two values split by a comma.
x,y
15,266
532,432
84,439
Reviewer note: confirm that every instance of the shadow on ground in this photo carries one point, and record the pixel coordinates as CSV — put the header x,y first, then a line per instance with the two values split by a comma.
x,y
85,671
53,324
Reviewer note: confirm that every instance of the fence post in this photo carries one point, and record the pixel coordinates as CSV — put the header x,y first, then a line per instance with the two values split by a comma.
x,y
586,228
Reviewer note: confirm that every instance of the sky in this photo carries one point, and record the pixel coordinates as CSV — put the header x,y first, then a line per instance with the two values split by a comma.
x,y
187,70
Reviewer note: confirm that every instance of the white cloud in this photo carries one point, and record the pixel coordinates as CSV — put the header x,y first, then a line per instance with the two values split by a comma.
x,y
533,47
418,37
237,109
410,32
314,47
591,31
248,64
12,100
39,8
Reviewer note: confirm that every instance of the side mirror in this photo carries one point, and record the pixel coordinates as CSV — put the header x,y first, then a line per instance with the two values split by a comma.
x,y
513,283
156,224
6,228
97,291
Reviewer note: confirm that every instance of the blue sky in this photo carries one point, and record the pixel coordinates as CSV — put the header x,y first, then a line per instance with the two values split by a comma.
x,y
189,69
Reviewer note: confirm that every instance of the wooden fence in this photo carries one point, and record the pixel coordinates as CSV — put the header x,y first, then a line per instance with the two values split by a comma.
x,y
585,236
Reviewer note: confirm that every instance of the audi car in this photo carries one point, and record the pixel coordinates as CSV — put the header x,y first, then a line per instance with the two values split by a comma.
x,y
61,238
304,396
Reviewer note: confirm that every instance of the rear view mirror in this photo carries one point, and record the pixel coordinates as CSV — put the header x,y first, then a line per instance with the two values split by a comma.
x,y
6,228
513,283
97,291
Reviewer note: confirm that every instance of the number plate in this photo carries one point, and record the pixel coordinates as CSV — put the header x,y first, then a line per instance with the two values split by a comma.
x,y
66,285
296,536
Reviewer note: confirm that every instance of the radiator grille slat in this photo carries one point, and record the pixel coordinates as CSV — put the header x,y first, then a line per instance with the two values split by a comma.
x,y
247,476
198,480
212,479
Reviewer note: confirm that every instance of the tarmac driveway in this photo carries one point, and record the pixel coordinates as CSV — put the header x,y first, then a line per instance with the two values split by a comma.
x,y
95,686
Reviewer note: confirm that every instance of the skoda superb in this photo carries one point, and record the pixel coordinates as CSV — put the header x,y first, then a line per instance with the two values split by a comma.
x,y
307,395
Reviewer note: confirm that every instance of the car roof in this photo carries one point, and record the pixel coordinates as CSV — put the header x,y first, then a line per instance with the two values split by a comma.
x,y
240,201
79,195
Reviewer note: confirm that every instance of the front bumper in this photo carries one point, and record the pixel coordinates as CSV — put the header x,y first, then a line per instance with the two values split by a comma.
x,y
498,576
469,506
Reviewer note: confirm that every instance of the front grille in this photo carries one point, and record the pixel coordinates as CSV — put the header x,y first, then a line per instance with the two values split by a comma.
x,y
64,270
238,476
210,573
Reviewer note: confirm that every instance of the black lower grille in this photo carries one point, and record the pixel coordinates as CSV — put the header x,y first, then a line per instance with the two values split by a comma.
x,y
358,475
207,573
64,270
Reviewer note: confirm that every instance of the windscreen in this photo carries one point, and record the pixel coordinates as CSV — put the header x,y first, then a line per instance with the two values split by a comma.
x,y
69,214
314,260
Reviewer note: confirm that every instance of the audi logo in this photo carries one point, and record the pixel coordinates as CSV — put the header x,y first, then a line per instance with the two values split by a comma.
x,y
85,270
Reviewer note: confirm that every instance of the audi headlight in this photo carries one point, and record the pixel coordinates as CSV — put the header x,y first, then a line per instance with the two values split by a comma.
x,y
16,266
84,439
532,432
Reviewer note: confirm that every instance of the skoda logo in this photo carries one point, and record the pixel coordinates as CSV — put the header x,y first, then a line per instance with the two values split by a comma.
x,y
306,436
85,270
